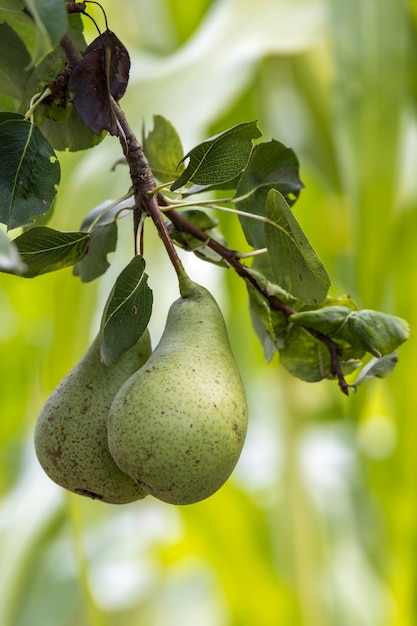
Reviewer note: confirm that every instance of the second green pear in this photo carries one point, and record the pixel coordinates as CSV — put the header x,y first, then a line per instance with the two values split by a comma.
x,y
70,434
177,426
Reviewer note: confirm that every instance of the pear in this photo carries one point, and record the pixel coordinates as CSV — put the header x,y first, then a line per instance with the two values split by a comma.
x,y
70,433
177,426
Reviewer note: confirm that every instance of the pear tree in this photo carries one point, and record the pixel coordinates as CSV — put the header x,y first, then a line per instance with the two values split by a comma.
x,y
115,429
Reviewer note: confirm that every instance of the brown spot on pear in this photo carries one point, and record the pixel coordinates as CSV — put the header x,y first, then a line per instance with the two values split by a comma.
x,y
177,426
70,434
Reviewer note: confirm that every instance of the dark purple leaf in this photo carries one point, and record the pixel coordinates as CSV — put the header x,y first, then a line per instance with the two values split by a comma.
x,y
102,72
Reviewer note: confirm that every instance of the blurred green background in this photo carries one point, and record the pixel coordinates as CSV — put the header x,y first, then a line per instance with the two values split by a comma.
x,y
318,525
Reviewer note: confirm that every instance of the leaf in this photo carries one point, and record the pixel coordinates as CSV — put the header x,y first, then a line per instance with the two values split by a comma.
x,y
304,356
101,73
29,171
70,133
327,320
44,249
12,12
295,264
270,326
51,21
10,261
271,166
127,311
220,158
377,368
163,149
14,60
103,240
375,332
188,242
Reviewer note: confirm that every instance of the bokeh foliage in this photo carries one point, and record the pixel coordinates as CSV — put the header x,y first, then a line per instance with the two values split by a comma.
x,y
319,522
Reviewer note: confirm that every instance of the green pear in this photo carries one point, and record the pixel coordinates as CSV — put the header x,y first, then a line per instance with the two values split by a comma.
x,y
177,426
70,434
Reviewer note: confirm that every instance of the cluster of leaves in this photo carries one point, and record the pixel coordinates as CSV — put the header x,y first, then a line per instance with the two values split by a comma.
x,y
316,335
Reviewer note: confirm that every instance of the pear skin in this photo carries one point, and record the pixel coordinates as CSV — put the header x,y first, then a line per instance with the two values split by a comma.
x,y
70,433
177,426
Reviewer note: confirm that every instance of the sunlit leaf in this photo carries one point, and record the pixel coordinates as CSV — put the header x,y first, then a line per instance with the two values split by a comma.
x,y
271,166
44,249
29,171
327,320
376,332
295,264
220,158
127,311
163,149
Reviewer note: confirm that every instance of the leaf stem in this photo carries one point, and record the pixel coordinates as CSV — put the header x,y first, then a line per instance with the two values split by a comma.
x,y
209,204
35,102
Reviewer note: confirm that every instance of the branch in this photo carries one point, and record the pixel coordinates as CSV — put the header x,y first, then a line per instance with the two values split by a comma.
x,y
275,303
147,203
141,176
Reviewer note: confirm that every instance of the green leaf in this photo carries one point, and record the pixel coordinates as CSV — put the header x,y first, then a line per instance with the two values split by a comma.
x,y
10,261
163,149
304,356
29,171
271,166
262,273
327,320
270,326
12,12
220,158
103,239
51,20
127,311
375,332
70,134
44,249
295,264
14,60
377,368
186,241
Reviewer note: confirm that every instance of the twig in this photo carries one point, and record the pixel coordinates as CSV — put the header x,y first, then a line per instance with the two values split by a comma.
x,y
141,176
